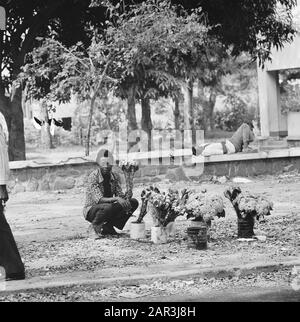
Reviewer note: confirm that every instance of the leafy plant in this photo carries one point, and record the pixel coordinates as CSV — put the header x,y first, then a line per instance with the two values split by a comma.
x,y
203,208
234,114
168,205
290,98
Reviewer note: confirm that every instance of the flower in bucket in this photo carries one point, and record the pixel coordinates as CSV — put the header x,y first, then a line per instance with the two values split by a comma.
x,y
168,205
204,208
145,195
248,207
248,204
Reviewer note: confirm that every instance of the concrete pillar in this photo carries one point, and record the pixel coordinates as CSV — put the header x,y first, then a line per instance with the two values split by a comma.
x,y
273,122
2,18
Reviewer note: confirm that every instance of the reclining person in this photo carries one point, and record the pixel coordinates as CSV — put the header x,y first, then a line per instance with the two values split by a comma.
x,y
105,206
239,142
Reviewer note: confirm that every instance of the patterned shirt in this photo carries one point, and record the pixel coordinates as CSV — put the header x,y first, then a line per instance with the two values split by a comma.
x,y
95,189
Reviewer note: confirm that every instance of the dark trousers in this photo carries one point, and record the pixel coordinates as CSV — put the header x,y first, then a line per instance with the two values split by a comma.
x,y
112,214
10,258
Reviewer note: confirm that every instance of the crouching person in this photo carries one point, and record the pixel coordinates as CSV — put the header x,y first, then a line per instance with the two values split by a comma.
x,y
105,204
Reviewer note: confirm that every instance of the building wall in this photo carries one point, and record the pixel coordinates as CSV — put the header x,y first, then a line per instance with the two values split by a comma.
x,y
286,58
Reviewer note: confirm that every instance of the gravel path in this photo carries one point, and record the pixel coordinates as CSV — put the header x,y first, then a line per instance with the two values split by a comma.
x,y
158,289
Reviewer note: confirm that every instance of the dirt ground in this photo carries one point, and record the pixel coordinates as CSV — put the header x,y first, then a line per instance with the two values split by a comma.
x,y
54,238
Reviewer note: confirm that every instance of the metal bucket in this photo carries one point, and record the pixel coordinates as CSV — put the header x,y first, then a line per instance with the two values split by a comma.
x,y
137,230
245,227
197,237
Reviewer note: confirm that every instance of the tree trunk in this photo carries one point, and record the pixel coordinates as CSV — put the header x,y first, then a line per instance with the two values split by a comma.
x,y
88,136
46,139
176,114
146,122
131,115
209,112
190,120
16,127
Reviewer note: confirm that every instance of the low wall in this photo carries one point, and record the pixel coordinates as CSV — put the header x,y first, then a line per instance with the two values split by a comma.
x,y
31,176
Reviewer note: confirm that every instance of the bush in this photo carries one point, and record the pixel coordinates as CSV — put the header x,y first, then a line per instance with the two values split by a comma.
x,y
234,114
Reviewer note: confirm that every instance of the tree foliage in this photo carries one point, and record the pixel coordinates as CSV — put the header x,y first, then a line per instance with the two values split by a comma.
x,y
162,47
27,20
251,26
235,23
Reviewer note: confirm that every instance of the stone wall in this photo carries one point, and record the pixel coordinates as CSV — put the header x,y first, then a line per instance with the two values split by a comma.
x,y
69,176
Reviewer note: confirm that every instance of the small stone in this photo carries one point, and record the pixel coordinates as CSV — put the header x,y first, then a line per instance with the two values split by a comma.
x,y
246,239
241,180
189,282
261,238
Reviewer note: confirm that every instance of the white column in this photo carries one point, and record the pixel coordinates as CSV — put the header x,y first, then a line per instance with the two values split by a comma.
x,y
2,18
273,122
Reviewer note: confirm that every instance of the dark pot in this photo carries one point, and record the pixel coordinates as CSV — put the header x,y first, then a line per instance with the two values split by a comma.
x,y
197,237
245,227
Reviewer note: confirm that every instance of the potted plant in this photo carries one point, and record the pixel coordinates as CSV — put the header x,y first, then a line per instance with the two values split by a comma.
x,y
167,207
202,209
248,207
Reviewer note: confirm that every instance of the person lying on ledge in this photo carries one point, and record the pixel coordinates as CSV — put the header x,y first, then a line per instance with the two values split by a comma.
x,y
239,142
105,206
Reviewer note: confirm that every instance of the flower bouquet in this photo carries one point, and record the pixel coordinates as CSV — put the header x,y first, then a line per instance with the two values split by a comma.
x,y
167,206
129,168
204,209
